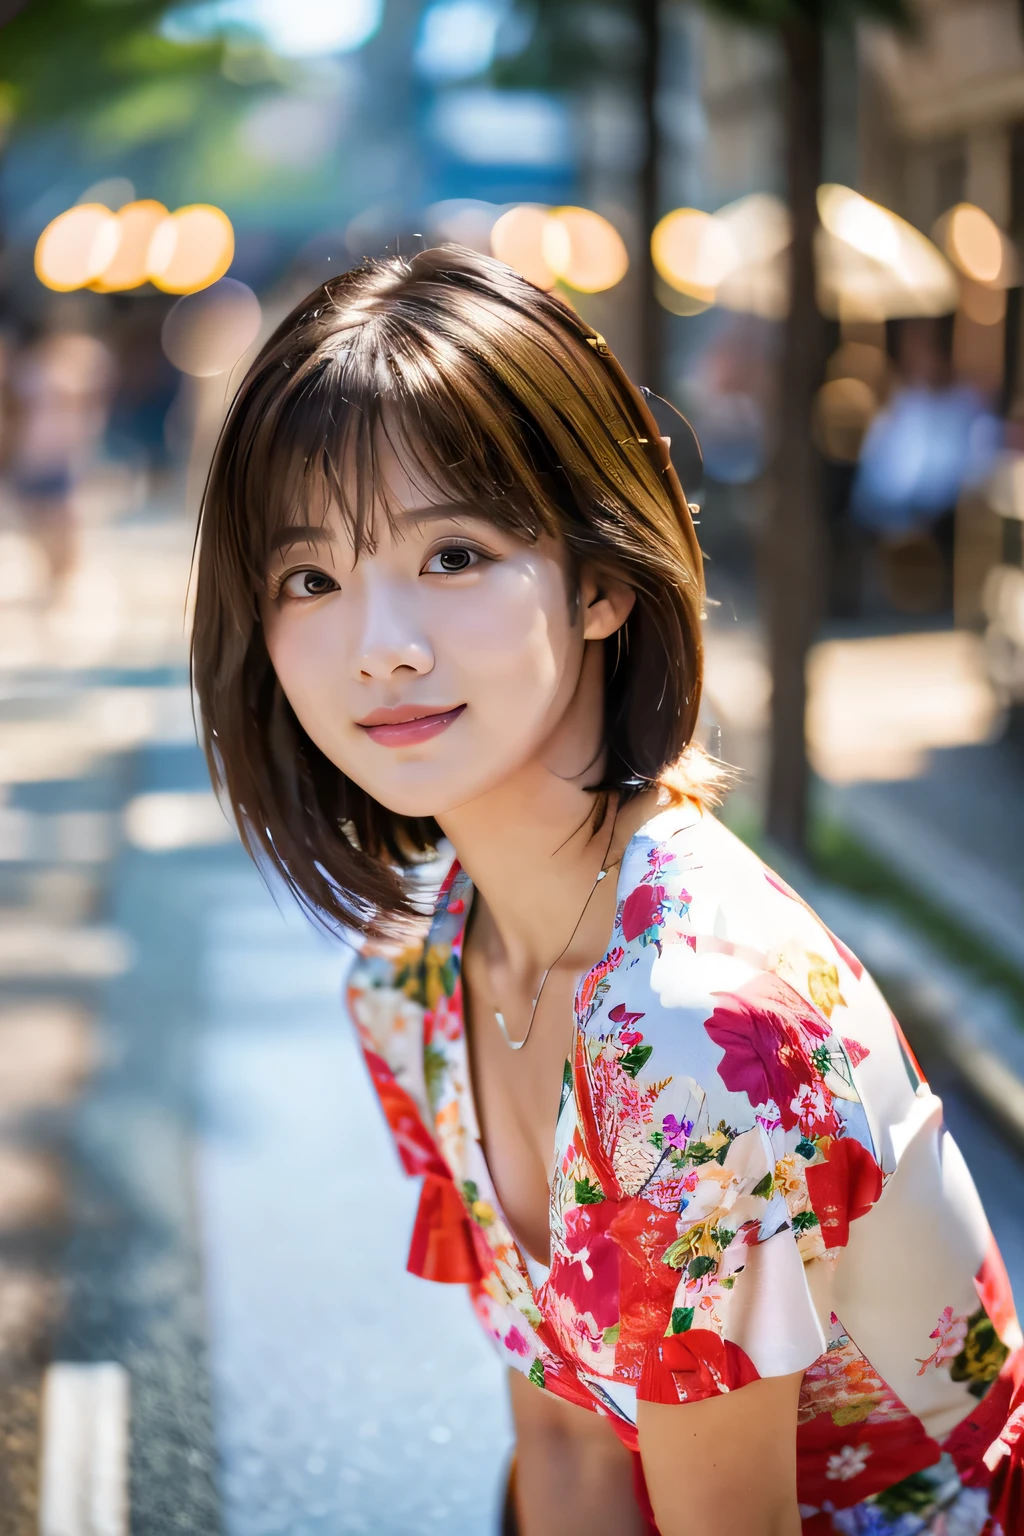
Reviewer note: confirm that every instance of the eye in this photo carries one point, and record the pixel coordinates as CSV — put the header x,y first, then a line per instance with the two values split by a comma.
x,y
307,583
452,561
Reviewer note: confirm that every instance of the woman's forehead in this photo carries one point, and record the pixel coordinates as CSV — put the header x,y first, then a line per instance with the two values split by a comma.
x,y
377,476
399,476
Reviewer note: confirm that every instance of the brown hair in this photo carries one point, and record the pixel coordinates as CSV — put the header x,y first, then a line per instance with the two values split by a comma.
x,y
499,394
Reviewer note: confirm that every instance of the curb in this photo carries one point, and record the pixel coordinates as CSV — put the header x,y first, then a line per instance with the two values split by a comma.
x,y
973,1029
988,905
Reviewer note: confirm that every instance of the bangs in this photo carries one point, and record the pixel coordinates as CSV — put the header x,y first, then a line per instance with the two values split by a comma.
x,y
456,433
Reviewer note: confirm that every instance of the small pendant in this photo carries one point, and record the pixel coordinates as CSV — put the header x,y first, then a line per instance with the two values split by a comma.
x,y
515,1045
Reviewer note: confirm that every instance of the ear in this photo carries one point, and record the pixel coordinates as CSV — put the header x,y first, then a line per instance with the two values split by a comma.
x,y
605,603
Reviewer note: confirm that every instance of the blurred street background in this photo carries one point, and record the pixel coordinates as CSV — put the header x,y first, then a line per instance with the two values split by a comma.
x,y
800,224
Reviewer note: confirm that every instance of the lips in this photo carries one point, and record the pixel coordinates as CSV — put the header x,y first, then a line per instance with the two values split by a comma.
x,y
407,724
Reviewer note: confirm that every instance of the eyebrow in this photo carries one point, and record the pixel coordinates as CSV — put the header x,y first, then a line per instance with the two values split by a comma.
x,y
300,533
320,533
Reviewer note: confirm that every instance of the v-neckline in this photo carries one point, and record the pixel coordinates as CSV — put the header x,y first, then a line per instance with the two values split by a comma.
x,y
469,1118
469,1112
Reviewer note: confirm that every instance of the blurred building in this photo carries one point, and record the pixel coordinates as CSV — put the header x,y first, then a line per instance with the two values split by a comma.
x,y
941,125
942,116
920,419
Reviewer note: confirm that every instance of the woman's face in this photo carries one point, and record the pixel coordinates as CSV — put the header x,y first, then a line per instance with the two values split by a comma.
x,y
433,667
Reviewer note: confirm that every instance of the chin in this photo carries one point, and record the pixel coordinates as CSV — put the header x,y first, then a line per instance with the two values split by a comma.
x,y
413,800
432,799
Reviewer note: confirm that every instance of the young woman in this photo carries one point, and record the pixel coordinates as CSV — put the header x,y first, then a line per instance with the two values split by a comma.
x,y
670,1135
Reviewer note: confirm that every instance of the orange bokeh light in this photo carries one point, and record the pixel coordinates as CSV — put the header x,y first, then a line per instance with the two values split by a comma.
x,y
137,224
191,249
584,249
76,246
692,252
518,240
88,246
573,245
974,243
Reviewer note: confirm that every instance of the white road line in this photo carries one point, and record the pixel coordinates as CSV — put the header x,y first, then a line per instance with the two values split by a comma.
x,y
84,1473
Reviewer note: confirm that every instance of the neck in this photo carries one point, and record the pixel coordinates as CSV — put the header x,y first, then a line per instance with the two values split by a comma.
x,y
533,855
532,850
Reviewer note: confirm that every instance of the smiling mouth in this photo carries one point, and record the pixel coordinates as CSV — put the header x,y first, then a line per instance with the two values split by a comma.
x,y
406,725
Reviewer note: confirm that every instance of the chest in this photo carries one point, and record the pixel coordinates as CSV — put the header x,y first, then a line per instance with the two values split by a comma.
x,y
517,1095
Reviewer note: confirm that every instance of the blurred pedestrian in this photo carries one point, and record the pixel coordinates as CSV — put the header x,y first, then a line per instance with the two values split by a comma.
x,y
61,386
934,438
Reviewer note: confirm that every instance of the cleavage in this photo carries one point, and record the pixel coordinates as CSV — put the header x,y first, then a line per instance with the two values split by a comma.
x,y
516,1095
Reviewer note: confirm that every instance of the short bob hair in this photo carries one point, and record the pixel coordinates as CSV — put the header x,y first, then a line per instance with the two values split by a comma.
x,y
498,394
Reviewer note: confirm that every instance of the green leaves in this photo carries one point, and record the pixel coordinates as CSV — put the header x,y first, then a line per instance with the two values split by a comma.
x,y
69,56
682,1319
411,979
635,1058
588,1193
822,1058
983,1354
435,1066
700,1266
449,976
536,1373
915,1495
804,1221
563,1097
765,1187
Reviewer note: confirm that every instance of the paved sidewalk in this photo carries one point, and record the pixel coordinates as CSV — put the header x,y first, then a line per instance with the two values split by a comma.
x,y
957,833
948,818
349,1396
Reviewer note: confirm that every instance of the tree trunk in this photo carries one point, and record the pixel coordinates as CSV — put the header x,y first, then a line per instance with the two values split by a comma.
x,y
792,559
651,319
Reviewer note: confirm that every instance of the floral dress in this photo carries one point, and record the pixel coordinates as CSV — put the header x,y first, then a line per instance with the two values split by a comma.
x,y
750,1177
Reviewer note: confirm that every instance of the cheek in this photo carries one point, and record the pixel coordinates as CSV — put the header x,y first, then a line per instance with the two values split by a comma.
x,y
513,635
306,652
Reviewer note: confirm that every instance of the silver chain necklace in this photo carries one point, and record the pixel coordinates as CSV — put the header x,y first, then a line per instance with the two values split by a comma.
x,y
517,1045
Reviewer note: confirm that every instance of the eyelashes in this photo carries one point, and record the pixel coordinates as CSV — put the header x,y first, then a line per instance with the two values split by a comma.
x,y
452,560
306,583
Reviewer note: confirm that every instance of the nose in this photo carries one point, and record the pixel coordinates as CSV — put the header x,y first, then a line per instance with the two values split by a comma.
x,y
391,642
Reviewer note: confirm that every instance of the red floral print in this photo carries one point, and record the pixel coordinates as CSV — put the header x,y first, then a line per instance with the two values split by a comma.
x,y
843,1187
641,910
767,1031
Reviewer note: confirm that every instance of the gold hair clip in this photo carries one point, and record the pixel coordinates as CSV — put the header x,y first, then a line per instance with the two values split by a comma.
x,y
598,343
